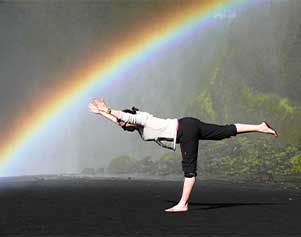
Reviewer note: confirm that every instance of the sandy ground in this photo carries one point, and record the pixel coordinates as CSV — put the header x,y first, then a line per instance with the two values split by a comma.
x,y
86,206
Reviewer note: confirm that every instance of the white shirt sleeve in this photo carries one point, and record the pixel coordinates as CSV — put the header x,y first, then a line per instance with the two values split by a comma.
x,y
139,118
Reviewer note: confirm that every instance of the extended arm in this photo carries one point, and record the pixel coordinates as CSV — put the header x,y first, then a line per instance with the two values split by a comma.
x,y
93,107
101,107
109,117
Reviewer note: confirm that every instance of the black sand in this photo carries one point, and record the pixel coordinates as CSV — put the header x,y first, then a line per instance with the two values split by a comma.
x,y
83,206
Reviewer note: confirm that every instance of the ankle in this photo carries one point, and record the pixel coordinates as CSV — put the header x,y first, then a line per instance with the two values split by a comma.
x,y
260,127
183,203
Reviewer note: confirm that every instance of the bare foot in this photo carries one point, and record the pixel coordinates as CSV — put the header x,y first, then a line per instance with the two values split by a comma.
x,y
177,208
266,128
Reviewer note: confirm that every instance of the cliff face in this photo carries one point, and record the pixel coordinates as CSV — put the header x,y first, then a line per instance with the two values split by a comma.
x,y
255,76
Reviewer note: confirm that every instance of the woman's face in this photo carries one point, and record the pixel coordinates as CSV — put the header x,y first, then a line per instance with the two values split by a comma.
x,y
127,126
121,123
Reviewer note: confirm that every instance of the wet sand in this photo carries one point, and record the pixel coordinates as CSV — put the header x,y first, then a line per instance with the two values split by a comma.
x,y
87,206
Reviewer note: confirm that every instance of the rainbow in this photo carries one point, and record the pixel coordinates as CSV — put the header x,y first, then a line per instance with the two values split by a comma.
x,y
132,50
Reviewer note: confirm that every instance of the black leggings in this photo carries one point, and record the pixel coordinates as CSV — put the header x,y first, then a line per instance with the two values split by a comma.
x,y
190,131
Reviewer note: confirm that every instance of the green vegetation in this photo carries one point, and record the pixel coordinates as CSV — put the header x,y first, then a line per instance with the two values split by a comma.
x,y
296,164
168,164
248,156
121,165
235,157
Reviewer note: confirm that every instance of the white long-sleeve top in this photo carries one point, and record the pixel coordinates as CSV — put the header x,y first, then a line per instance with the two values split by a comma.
x,y
162,131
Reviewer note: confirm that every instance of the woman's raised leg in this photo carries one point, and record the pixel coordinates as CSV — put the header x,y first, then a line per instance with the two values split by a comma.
x,y
264,127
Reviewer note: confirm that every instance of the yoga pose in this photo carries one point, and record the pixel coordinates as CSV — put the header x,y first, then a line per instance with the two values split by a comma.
x,y
168,132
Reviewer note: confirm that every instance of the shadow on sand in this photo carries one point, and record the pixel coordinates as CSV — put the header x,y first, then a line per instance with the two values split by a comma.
x,y
208,206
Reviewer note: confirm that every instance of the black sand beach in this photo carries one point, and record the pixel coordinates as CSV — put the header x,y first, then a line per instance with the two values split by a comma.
x,y
86,206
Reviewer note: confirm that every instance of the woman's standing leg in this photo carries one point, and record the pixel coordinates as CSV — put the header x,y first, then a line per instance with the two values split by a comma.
x,y
183,203
189,164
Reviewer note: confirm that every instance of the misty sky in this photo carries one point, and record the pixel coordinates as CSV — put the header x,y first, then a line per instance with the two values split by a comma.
x,y
43,42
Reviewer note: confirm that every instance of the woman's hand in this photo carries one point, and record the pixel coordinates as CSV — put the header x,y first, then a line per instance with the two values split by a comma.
x,y
97,106
100,105
93,108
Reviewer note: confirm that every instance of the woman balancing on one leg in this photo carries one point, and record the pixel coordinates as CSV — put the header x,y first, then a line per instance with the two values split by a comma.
x,y
168,132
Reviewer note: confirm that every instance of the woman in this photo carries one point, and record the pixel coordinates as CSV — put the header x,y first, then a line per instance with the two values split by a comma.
x,y
168,132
